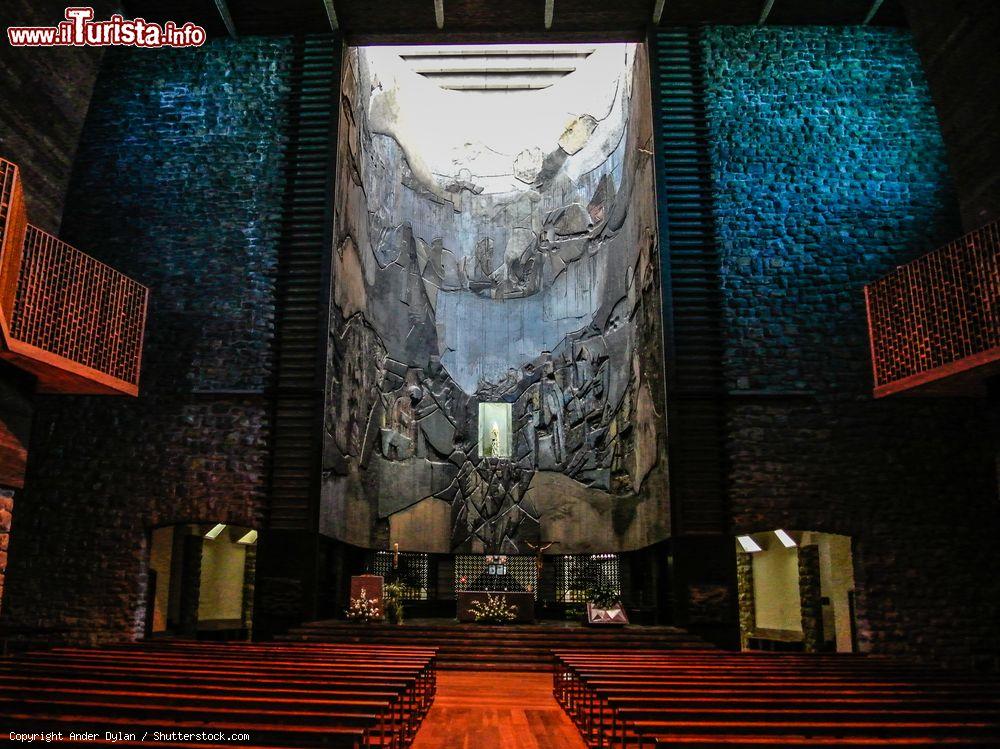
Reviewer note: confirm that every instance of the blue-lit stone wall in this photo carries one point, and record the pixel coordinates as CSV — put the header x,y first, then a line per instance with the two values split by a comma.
x,y
179,183
830,170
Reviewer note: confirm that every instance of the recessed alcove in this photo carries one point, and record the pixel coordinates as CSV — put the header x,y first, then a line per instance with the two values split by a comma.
x,y
200,580
796,591
494,430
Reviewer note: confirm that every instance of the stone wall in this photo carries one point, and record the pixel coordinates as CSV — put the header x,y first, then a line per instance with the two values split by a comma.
x,y
830,170
6,515
517,268
45,94
746,603
811,597
957,45
178,184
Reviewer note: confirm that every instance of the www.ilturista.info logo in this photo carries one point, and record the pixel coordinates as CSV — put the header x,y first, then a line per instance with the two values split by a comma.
x,y
80,30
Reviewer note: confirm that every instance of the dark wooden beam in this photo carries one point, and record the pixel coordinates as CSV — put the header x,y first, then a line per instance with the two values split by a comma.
x,y
876,4
765,12
658,11
227,18
331,14
420,21
495,37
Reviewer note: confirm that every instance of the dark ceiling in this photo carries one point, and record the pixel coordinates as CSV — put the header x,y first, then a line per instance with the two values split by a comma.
x,y
391,21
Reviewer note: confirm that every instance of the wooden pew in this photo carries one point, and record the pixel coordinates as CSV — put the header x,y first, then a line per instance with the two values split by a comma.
x,y
689,699
282,695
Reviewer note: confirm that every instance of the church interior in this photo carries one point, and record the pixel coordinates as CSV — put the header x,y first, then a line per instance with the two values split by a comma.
x,y
544,374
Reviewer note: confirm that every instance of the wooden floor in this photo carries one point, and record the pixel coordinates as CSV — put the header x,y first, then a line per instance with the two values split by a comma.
x,y
496,710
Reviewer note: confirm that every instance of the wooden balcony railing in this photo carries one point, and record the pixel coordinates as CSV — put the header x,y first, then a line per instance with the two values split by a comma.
x,y
72,321
934,324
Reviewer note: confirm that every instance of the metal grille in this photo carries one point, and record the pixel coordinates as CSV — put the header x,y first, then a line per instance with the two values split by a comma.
x,y
691,270
76,307
411,570
497,572
303,282
577,573
937,315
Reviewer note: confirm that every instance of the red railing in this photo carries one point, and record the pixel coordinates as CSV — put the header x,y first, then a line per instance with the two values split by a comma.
x,y
13,223
74,322
934,324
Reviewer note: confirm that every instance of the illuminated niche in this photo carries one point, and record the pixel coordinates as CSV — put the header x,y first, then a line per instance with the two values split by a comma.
x,y
494,430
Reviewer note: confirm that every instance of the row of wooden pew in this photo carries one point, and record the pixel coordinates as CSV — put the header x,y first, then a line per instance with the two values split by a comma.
x,y
657,699
284,695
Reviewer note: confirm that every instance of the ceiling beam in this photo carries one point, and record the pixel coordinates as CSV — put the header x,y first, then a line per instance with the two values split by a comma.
x,y
227,18
439,13
658,11
871,12
765,12
331,14
550,10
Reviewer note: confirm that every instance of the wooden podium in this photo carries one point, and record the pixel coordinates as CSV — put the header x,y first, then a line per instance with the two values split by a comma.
x,y
374,587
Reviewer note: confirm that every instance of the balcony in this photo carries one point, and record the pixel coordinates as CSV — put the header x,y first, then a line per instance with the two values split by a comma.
x,y
934,324
70,320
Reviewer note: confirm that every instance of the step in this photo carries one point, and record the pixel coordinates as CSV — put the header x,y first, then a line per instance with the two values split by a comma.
x,y
494,647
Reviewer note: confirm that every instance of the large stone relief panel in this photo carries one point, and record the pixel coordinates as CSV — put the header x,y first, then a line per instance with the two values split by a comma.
x,y
496,255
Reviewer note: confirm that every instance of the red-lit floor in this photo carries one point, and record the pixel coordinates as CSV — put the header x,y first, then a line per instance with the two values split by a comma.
x,y
496,710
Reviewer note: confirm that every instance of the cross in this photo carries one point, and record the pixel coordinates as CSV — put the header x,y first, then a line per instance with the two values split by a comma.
x,y
539,550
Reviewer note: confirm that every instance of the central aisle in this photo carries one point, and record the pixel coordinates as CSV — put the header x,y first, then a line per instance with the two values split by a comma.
x,y
500,710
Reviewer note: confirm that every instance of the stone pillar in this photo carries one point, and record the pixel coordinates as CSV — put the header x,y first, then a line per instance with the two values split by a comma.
x,y
249,574
812,598
190,585
6,513
747,602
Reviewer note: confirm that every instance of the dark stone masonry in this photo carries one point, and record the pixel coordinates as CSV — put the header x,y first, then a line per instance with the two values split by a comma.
x,y
178,184
46,94
830,171
6,508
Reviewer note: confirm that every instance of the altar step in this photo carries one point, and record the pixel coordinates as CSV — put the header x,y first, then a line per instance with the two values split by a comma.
x,y
518,647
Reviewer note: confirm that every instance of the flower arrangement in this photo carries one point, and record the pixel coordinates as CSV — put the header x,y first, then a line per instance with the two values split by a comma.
x,y
494,610
363,608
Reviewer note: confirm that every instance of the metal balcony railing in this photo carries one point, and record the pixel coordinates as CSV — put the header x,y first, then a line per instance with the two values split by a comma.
x,y
74,322
13,224
934,323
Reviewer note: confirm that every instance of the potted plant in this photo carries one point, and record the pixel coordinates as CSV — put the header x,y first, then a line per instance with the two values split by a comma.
x,y
393,599
604,605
